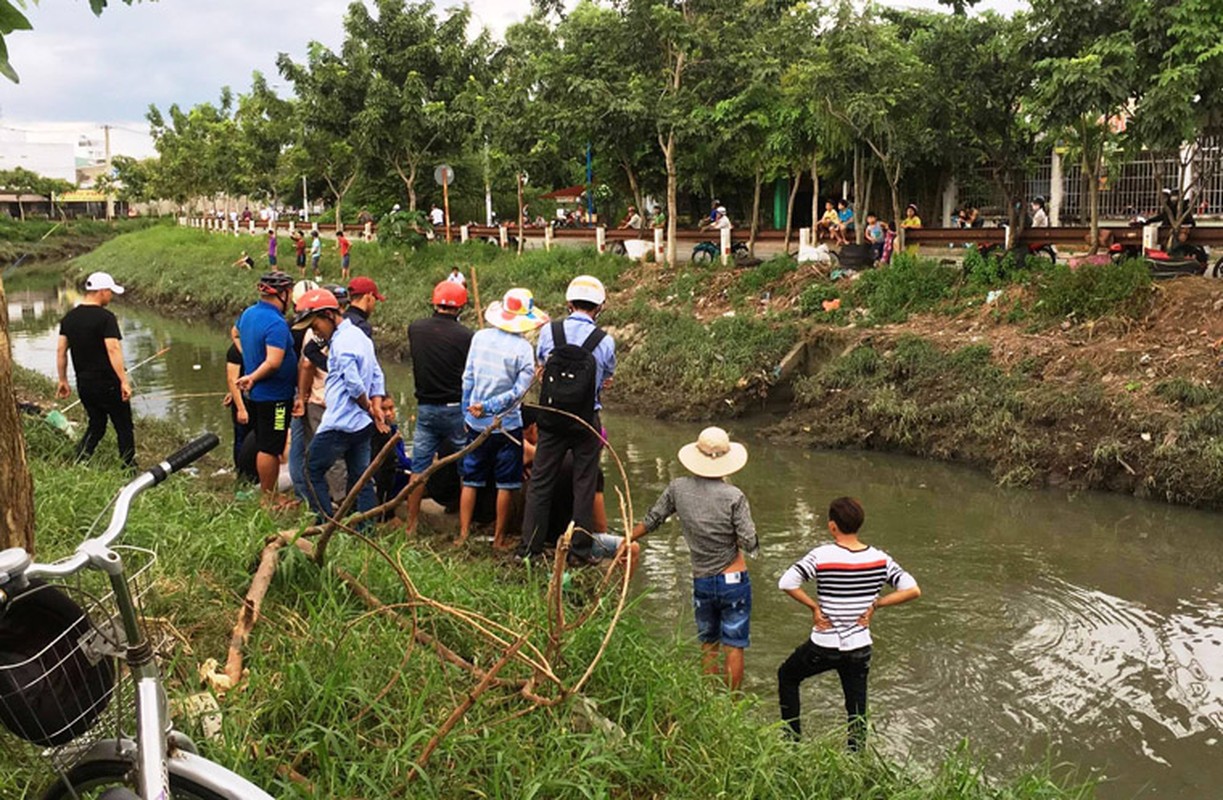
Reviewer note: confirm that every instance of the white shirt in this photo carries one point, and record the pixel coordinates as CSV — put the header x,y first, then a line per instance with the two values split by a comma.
x,y
437,217
1040,219
723,223
457,277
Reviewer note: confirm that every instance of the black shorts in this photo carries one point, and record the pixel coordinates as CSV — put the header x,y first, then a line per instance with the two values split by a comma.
x,y
301,259
270,419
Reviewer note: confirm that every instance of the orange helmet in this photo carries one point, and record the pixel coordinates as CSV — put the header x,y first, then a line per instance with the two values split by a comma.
x,y
310,304
450,295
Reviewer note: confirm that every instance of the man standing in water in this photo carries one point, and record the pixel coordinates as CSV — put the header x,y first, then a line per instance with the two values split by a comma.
x,y
91,332
848,575
717,524
270,365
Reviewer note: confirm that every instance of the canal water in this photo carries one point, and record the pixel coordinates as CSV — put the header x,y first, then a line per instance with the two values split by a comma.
x,y
1055,628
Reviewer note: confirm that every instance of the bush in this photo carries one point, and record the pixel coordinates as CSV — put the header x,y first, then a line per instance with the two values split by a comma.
x,y
811,300
1094,290
1185,393
908,285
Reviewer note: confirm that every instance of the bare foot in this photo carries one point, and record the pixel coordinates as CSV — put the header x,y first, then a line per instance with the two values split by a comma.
x,y
461,541
503,544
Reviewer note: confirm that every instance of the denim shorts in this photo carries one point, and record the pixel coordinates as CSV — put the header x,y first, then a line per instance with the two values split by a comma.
x,y
604,545
436,424
499,455
723,610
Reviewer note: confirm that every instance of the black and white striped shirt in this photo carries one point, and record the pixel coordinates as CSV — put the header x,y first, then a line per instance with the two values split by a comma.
x,y
846,583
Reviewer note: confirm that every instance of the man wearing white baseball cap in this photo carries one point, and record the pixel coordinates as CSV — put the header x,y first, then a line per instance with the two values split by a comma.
x,y
579,360
92,333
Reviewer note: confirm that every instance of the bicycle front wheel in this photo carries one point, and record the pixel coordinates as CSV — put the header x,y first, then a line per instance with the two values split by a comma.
x,y
89,780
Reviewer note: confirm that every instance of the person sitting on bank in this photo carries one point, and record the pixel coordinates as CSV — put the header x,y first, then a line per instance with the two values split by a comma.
x,y
848,575
91,332
717,524
830,225
500,368
244,261
631,221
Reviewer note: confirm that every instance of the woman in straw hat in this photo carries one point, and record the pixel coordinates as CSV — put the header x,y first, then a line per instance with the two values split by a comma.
x,y
717,525
500,368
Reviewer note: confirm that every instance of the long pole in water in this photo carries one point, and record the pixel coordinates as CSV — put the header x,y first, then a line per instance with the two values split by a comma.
x,y
158,354
475,286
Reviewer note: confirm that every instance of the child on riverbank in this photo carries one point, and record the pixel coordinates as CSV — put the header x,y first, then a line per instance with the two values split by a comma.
x,y
848,576
717,524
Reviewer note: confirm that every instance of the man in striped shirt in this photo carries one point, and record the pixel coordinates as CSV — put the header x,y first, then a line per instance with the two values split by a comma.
x,y
848,575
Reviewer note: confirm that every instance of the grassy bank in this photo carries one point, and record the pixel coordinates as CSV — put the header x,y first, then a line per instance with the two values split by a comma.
x,y
315,664
48,240
661,347
1024,423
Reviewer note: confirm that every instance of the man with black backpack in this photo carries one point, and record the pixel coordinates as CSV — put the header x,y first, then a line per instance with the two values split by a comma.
x,y
579,360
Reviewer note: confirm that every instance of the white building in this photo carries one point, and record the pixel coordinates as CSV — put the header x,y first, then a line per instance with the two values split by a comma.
x,y
39,154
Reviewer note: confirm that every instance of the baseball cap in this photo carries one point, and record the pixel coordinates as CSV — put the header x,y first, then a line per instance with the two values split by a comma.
x,y
102,280
364,286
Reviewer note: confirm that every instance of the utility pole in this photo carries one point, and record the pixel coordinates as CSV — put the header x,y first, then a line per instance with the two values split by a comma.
x,y
110,200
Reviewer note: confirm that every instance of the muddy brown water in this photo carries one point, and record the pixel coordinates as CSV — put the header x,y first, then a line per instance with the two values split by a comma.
x,y
1085,629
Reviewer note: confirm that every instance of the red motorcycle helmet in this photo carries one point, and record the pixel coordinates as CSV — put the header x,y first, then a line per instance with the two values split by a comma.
x,y
450,295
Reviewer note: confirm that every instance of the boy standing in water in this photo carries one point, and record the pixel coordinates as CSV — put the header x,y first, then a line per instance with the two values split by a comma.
x,y
848,575
717,524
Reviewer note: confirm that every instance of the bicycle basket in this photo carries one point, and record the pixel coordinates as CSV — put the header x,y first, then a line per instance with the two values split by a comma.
x,y
60,684
51,689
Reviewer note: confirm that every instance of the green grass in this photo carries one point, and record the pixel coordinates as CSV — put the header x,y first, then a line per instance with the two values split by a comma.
x,y
314,665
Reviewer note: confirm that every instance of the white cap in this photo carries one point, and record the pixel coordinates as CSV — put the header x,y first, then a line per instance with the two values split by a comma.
x,y
102,280
586,288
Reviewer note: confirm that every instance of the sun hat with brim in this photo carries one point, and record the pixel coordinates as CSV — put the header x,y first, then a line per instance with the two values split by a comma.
x,y
516,312
102,280
713,454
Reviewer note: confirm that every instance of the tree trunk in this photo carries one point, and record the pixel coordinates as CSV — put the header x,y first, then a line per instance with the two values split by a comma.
x,y
20,206
411,182
894,185
668,152
1093,201
796,178
16,485
751,240
634,186
520,204
815,194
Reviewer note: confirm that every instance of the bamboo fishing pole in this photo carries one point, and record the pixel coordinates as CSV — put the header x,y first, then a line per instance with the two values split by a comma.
x,y
475,286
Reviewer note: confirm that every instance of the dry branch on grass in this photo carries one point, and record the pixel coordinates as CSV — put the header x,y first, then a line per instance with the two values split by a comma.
x,y
511,644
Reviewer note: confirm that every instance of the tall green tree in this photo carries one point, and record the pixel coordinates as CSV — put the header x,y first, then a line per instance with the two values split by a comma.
x,y
424,75
331,92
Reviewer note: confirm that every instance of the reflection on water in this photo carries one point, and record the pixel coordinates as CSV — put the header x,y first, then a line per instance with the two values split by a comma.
x,y
1083,629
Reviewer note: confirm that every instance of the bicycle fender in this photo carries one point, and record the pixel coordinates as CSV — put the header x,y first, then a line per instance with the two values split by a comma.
x,y
184,764
215,777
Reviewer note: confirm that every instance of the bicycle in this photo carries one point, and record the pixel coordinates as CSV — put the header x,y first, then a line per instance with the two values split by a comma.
x,y
71,698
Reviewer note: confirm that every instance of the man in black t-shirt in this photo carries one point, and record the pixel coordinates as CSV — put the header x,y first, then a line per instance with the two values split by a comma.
x,y
439,346
91,332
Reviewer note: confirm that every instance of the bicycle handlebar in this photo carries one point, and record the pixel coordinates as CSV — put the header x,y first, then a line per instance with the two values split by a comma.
x,y
189,453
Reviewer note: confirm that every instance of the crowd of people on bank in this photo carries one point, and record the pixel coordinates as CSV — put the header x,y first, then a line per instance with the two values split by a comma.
x,y
306,387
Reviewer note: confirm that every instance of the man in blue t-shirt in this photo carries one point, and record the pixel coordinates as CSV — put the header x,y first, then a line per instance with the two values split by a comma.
x,y
270,364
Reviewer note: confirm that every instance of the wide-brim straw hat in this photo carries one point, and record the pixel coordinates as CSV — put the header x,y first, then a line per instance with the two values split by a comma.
x,y
516,312
713,454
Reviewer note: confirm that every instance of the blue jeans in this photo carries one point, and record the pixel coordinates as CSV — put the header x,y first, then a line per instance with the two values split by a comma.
x,y
434,425
723,609
328,446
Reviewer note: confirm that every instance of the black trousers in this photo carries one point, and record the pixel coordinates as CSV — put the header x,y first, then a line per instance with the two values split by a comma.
x,y
103,402
549,454
809,659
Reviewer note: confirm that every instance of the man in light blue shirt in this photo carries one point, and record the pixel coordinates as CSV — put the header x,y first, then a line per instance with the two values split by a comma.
x,y
499,370
354,378
559,434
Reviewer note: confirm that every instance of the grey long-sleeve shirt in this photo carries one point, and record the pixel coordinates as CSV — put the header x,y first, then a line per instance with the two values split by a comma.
x,y
716,520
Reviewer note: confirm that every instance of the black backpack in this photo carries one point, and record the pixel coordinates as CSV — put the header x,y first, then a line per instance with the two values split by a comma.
x,y
570,381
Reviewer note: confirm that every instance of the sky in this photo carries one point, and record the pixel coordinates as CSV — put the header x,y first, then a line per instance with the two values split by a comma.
x,y
79,71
